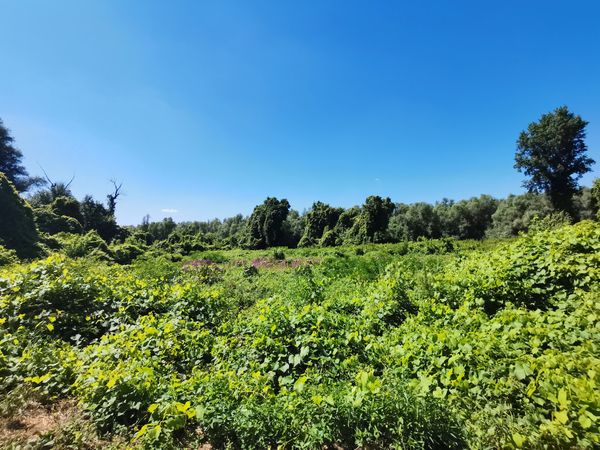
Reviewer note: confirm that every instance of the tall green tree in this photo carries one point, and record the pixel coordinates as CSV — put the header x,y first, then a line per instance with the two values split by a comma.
x,y
320,218
95,216
344,230
293,228
266,224
552,153
372,223
421,220
375,216
11,162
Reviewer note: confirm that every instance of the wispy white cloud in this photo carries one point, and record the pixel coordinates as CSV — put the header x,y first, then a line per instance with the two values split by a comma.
x,y
170,210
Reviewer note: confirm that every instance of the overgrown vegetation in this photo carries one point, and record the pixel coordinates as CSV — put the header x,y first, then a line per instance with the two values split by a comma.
x,y
469,324
433,344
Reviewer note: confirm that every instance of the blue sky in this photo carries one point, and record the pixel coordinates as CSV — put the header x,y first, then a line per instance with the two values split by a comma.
x,y
207,108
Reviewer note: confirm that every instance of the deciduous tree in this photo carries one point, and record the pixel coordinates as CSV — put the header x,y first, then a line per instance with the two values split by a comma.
x,y
552,153
265,226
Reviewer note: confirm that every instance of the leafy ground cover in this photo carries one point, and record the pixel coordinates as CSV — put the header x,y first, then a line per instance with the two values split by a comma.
x,y
432,344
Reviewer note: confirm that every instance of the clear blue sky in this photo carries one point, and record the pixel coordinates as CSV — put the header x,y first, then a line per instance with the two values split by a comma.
x,y
209,107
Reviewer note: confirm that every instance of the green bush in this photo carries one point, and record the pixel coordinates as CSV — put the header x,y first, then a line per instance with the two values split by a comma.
x,y
49,222
123,374
17,227
279,255
7,256
535,271
55,298
79,246
127,252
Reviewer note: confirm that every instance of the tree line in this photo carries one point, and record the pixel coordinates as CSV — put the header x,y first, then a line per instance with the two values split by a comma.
x,y
39,213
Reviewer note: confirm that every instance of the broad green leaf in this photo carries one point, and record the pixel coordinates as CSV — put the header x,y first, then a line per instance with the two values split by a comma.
x,y
519,439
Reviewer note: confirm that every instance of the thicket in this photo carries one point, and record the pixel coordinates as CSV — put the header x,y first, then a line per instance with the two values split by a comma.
x,y
377,221
17,227
429,344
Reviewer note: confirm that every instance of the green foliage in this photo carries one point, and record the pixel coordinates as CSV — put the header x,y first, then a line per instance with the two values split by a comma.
x,y
585,204
520,377
95,216
48,221
79,246
415,221
17,227
121,376
45,197
57,211
372,222
596,196
7,256
343,231
184,244
466,219
534,271
425,344
55,297
550,222
516,212
552,154
325,226
265,226
67,206
319,219
159,230
126,252
293,228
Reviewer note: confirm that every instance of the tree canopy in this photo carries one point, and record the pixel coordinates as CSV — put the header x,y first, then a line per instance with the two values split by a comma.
x,y
372,223
265,226
552,153
319,219
11,162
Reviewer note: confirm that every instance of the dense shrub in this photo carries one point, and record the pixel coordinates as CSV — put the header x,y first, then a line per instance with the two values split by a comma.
x,y
125,253
50,222
68,207
124,373
535,271
7,256
56,297
89,244
520,378
17,227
